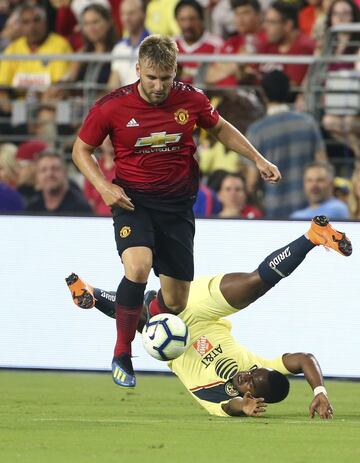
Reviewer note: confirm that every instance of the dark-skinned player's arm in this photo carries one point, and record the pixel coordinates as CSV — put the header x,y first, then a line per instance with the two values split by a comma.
x,y
245,406
113,195
229,136
309,366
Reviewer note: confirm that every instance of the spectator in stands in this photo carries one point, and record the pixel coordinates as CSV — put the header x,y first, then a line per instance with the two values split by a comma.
x,y
8,164
344,127
207,203
222,17
107,166
249,36
11,30
160,17
233,197
193,39
318,188
56,194
44,126
26,156
354,200
36,39
99,36
309,15
291,140
284,38
132,16
10,199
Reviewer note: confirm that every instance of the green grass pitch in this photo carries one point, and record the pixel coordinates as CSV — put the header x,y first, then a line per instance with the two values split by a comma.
x,y
84,418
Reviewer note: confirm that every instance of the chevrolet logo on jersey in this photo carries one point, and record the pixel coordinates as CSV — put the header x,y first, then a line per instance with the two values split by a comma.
x,y
158,139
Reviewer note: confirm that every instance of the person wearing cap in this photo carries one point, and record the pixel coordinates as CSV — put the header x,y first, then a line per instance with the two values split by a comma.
x,y
26,156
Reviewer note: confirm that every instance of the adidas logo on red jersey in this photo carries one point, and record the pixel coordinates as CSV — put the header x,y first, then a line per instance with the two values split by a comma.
x,y
132,123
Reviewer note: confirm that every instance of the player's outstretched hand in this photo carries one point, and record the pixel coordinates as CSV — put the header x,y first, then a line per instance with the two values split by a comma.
x,y
114,195
268,171
252,406
321,405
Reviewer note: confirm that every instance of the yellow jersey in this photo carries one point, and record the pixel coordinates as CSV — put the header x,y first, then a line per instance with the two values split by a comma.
x,y
214,356
37,73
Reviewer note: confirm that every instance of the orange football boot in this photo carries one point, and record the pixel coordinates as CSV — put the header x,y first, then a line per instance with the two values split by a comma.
x,y
81,292
322,233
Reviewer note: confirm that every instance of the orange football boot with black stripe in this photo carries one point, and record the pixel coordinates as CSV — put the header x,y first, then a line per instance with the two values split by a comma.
x,y
322,233
81,292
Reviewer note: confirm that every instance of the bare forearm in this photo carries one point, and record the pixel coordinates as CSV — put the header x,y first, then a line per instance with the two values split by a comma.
x,y
306,364
234,140
82,157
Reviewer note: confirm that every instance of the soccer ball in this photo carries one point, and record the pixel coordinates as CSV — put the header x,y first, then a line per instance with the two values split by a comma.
x,y
165,337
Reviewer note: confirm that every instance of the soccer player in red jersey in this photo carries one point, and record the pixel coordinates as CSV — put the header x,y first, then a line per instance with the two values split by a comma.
x,y
150,124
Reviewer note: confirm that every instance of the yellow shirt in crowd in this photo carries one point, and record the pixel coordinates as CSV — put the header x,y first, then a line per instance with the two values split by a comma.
x,y
214,356
34,73
160,18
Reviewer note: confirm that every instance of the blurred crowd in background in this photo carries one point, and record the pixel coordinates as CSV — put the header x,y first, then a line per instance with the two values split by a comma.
x,y
43,102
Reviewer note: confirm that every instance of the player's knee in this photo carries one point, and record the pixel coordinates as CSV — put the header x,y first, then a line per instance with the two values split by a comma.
x,y
175,303
138,272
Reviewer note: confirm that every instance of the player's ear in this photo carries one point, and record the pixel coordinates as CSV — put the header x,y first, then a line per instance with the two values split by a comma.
x,y
137,68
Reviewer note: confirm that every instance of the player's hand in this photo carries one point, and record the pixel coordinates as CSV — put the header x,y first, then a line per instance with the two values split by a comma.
x,y
322,406
114,195
268,171
252,406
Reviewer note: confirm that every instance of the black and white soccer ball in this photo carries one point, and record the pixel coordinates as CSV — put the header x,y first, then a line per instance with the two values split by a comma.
x,y
165,337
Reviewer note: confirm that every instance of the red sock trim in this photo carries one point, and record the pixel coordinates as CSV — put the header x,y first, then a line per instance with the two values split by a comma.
x,y
127,319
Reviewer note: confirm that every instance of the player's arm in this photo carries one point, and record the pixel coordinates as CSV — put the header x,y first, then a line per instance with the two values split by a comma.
x,y
113,195
229,136
246,406
309,366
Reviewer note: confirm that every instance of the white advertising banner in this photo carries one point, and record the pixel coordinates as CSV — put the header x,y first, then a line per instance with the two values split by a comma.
x,y
316,309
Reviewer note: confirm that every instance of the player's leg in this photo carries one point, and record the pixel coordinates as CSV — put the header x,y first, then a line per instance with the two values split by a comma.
x,y
103,300
241,289
134,239
173,262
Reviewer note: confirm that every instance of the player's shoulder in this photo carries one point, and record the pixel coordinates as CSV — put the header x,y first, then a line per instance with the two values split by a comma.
x,y
187,90
113,97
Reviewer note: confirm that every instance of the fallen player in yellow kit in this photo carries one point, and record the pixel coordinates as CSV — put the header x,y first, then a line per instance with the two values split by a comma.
x,y
223,376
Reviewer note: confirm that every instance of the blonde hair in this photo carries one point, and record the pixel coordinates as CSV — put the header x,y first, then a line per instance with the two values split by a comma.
x,y
159,50
8,162
354,201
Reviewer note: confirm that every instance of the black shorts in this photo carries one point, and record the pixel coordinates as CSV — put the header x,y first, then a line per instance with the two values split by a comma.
x,y
170,235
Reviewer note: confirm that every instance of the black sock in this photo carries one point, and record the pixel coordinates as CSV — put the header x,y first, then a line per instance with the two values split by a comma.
x,y
284,261
105,301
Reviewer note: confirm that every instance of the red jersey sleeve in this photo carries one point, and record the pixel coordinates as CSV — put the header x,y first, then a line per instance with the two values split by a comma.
x,y
208,116
95,127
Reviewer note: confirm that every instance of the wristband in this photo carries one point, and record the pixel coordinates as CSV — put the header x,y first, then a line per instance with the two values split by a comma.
x,y
320,390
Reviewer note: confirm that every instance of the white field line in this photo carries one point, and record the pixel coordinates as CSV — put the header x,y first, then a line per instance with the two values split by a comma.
x,y
205,421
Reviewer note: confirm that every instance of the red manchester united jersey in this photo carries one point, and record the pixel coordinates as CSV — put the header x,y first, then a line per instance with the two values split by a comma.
x,y
153,145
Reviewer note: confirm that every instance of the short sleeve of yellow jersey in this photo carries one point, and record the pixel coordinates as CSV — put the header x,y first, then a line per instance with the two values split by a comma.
x,y
214,355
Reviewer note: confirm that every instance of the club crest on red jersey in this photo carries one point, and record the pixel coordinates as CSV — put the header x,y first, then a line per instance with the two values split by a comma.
x,y
181,116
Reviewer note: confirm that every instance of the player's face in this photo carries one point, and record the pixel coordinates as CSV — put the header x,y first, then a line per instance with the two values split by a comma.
x,y
245,381
155,83
317,185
